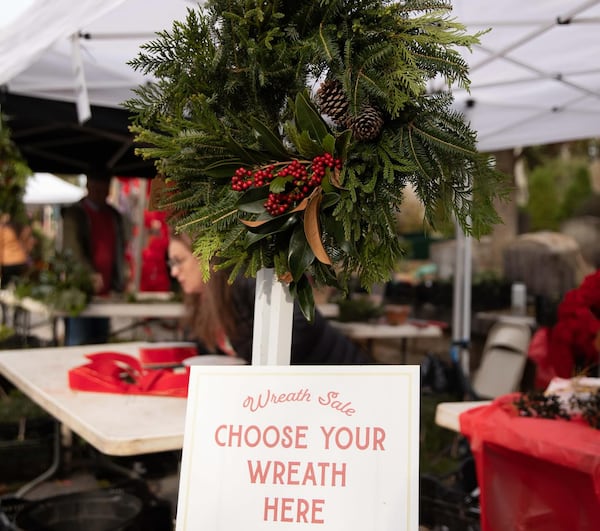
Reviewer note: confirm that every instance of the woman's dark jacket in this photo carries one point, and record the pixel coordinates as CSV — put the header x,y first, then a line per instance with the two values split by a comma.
x,y
316,343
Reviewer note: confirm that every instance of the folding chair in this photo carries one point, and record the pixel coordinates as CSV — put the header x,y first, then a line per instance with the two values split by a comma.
x,y
503,360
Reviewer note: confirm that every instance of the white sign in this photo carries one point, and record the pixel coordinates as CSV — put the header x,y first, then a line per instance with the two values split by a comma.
x,y
289,447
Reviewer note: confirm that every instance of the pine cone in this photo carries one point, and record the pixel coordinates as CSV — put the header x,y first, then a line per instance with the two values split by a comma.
x,y
332,100
367,124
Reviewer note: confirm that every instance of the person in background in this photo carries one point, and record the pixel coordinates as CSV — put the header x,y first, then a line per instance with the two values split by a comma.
x,y
93,232
15,246
16,243
221,316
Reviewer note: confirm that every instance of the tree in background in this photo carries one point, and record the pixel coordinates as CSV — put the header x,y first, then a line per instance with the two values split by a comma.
x,y
558,186
14,172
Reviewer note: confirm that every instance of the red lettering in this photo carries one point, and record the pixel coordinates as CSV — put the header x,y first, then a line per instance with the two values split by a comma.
x,y
361,438
294,510
252,436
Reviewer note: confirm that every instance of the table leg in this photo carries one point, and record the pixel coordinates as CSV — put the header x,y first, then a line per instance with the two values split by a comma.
x,y
51,470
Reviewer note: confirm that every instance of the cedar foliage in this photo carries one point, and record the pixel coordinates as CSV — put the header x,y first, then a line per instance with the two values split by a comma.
x,y
230,79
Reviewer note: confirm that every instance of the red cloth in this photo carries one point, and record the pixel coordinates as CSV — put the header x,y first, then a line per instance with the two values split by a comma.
x,y
115,372
539,353
534,474
154,272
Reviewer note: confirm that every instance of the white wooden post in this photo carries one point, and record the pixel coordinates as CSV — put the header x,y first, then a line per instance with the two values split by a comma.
x,y
273,317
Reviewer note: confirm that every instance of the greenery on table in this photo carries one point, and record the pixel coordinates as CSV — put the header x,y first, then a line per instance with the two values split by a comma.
x,y
286,131
63,285
358,309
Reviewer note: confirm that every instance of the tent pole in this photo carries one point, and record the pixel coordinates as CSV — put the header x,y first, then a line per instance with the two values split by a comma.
x,y
461,302
466,304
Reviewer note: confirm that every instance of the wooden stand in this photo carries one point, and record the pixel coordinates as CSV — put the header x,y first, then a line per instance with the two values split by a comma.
x,y
273,317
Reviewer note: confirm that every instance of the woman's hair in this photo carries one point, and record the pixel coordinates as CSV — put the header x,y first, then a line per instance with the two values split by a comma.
x,y
212,312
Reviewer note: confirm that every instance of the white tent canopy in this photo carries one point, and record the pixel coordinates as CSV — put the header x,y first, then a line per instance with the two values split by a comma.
x,y
36,57
536,75
48,189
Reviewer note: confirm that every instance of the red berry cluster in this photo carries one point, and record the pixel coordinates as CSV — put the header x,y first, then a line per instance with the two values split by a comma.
x,y
303,178
243,178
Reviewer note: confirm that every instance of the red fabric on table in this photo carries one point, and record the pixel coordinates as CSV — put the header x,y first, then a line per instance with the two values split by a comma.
x,y
166,356
534,474
115,372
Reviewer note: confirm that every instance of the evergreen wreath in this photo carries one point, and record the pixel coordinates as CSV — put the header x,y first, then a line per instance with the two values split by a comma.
x,y
286,131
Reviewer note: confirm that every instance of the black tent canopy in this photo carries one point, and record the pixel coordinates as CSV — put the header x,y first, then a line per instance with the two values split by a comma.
x,y
51,139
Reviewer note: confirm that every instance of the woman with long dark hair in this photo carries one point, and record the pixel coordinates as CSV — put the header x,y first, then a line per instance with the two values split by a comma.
x,y
220,315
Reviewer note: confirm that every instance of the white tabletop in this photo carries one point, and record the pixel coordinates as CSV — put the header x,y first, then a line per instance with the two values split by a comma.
x,y
359,330
447,413
114,424
147,305
157,309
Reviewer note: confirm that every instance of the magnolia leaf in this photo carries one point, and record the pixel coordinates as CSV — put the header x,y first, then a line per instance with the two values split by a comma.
x,y
253,200
309,119
312,227
271,226
250,156
300,255
306,301
254,207
270,140
258,223
329,200
223,169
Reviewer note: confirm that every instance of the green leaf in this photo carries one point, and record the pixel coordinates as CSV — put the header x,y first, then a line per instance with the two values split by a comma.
x,y
308,118
223,169
278,184
341,144
300,255
329,199
270,140
305,298
253,199
278,224
329,143
307,146
249,156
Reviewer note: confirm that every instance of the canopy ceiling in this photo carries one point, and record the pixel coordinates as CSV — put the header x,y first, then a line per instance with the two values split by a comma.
x,y
535,76
39,83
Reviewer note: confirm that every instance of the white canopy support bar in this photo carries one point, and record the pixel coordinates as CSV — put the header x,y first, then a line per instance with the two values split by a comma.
x,y
82,100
